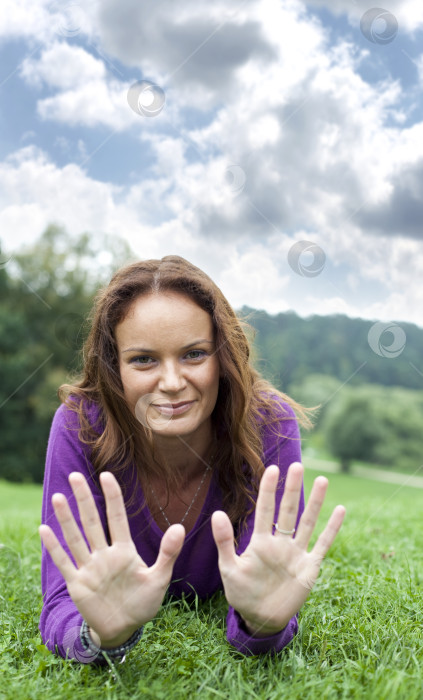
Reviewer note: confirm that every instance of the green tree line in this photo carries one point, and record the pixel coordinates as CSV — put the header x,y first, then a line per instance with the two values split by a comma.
x,y
371,403
290,348
370,423
46,295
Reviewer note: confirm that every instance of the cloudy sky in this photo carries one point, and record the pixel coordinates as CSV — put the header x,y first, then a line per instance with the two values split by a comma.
x,y
277,144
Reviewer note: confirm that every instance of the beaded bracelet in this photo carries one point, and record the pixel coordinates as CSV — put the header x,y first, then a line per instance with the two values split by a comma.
x,y
113,652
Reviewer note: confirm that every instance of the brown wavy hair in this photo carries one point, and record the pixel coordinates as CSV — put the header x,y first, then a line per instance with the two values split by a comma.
x,y
246,401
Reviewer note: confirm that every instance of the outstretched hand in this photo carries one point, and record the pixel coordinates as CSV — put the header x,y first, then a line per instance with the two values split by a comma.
x,y
112,587
269,582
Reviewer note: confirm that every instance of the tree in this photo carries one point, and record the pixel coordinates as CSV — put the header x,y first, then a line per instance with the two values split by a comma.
x,y
291,348
353,431
46,294
316,390
376,424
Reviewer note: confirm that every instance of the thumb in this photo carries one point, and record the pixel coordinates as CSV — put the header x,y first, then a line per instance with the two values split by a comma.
x,y
223,534
170,547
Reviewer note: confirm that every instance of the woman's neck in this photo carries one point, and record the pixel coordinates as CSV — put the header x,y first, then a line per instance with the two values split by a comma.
x,y
187,455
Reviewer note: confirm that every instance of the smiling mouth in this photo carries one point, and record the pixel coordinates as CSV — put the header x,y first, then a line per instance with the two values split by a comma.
x,y
172,405
173,410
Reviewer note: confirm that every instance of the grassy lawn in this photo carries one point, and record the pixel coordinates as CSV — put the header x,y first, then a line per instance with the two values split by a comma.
x,y
360,636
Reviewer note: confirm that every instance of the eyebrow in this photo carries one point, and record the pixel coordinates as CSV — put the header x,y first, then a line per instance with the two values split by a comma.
x,y
185,347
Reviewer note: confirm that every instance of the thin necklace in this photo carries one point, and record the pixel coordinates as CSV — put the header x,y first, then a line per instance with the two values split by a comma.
x,y
207,469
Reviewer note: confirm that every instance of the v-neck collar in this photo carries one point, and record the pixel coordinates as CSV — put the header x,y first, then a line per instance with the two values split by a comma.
x,y
157,529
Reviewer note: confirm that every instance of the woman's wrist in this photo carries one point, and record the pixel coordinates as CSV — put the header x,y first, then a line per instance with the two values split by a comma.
x,y
116,647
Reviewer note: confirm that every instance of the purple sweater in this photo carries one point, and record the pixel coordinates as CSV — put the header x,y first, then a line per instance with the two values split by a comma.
x,y
196,566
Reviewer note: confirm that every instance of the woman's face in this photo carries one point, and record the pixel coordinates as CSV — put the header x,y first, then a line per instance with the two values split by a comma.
x,y
167,356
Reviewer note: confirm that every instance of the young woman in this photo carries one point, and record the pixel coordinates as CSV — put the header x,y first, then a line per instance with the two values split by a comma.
x,y
165,471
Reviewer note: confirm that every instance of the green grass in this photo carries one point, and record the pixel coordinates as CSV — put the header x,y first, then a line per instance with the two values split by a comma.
x,y
360,636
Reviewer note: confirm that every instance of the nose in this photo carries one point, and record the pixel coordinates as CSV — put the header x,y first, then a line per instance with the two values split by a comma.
x,y
171,378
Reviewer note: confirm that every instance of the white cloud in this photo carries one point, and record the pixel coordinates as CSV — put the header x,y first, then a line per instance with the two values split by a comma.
x,y
34,193
20,18
310,146
44,20
86,94
252,278
62,66
92,104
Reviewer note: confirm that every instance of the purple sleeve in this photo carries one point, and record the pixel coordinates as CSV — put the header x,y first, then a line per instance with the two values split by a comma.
x,y
60,620
281,451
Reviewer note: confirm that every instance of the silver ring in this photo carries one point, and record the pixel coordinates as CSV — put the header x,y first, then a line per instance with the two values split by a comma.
x,y
283,532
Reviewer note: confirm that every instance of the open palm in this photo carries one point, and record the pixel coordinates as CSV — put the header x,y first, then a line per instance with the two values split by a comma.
x,y
271,580
112,587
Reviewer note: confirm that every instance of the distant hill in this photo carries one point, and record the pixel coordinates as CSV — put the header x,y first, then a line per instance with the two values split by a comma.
x,y
288,348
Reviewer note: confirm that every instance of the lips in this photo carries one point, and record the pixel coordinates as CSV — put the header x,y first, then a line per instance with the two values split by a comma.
x,y
173,410
173,405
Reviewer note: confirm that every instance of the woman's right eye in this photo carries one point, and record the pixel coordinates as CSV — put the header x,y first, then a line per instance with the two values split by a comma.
x,y
138,358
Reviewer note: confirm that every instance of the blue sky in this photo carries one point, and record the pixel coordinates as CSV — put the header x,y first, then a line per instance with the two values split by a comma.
x,y
280,122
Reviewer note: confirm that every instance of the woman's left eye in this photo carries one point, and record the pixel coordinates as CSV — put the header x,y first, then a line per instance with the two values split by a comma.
x,y
200,352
